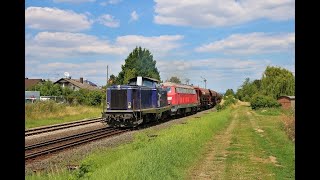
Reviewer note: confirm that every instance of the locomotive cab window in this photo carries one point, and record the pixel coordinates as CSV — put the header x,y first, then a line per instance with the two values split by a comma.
x,y
168,89
133,83
147,83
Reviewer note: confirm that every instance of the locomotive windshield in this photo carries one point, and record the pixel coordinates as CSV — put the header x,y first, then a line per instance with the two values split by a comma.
x,y
132,83
168,89
147,83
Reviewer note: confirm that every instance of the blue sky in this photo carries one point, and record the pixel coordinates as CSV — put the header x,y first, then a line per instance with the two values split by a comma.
x,y
223,41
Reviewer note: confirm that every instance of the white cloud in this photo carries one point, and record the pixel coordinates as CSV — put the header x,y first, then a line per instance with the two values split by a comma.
x,y
252,43
110,2
44,18
221,74
134,16
212,13
216,71
94,71
109,21
65,44
46,47
73,1
158,45
114,1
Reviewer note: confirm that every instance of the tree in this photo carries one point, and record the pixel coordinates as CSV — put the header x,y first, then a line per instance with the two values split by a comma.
x,y
229,92
277,81
248,89
175,79
112,80
47,88
139,63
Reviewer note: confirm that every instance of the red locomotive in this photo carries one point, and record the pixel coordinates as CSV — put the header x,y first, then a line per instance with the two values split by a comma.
x,y
182,98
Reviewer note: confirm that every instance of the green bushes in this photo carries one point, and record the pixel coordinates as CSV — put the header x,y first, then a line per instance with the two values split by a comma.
x,y
219,107
94,98
228,100
275,82
86,97
81,97
261,101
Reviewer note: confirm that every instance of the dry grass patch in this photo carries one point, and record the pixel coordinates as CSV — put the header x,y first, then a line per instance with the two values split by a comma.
x,y
48,113
289,126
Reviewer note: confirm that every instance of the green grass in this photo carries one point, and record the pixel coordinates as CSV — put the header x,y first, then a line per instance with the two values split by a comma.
x,y
48,113
269,111
167,155
250,151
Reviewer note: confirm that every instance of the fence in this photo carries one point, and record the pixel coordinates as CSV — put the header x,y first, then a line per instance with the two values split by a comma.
x,y
58,99
31,96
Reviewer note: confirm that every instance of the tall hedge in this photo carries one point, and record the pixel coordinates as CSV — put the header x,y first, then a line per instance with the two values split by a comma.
x,y
261,101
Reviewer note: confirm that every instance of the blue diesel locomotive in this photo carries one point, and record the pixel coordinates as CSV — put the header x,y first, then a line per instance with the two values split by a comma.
x,y
141,101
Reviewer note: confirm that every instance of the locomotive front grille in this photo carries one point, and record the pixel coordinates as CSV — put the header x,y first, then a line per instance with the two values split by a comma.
x,y
118,99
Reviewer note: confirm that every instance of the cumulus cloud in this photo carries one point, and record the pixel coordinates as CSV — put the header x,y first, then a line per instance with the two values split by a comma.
x,y
158,45
235,65
213,13
134,16
110,2
251,43
73,1
109,21
226,71
94,71
54,19
64,44
220,74
67,44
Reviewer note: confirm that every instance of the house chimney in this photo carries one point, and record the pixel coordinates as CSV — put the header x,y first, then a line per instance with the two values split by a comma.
x,y
81,80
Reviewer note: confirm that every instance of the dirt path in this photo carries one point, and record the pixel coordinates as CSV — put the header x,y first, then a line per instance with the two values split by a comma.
x,y
251,147
213,164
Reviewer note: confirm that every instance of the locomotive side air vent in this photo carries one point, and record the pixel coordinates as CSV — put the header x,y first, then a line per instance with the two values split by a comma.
x,y
119,99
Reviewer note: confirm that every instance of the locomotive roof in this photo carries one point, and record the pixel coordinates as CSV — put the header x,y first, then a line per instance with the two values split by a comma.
x,y
177,85
213,92
204,90
152,79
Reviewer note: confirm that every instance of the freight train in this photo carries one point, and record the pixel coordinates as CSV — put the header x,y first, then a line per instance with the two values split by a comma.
x,y
144,99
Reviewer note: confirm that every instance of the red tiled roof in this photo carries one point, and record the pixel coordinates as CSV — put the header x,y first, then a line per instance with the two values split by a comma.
x,y
79,84
31,82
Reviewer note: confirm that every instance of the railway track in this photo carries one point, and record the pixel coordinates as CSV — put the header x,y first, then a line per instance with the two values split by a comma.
x,y
40,149
44,129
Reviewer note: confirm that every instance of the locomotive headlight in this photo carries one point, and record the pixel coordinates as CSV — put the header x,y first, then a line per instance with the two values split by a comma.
x,y
108,105
129,105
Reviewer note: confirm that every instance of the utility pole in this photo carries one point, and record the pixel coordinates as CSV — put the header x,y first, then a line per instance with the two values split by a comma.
x,y
107,75
104,102
205,82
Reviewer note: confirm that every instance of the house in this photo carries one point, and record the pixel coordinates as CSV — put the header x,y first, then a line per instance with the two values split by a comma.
x,y
76,84
31,82
287,101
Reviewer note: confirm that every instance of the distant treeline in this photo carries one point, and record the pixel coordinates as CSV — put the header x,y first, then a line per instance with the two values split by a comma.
x,y
83,96
275,82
